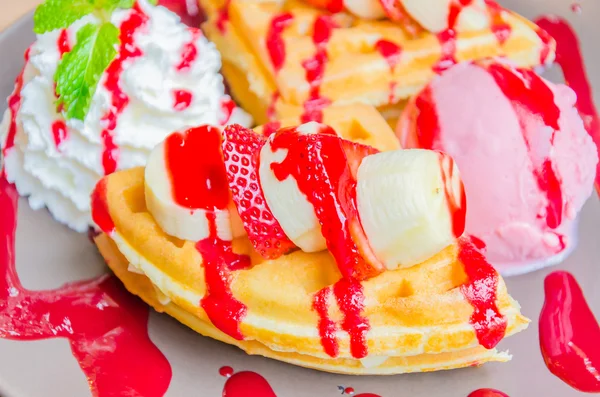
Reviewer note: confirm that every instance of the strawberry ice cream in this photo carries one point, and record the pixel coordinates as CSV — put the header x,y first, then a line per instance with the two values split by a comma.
x,y
527,162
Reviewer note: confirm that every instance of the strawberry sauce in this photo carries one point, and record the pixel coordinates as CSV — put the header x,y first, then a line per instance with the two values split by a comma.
x,y
569,334
499,27
327,327
64,45
14,104
59,132
223,17
315,69
391,52
190,51
570,59
487,393
274,40
100,212
447,40
245,384
227,108
119,99
531,98
480,292
106,327
209,194
182,99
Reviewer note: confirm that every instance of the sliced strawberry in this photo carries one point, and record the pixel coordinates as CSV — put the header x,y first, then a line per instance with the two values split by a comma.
x,y
241,149
325,167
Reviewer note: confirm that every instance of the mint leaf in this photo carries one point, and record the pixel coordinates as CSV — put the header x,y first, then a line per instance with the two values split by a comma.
x,y
60,14
79,72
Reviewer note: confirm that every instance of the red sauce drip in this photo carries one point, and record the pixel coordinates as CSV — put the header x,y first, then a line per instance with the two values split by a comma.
x,y
390,52
531,97
59,132
455,9
190,51
569,334
480,292
119,100
487,393
500,28
211,194
64,45
223,17
275,42
100,212
570,59
14,104
247,384
226,371
182,99
327,327
457,206
227,108
428,128
350,299
106,327
447,40
315,69
392,94
271,110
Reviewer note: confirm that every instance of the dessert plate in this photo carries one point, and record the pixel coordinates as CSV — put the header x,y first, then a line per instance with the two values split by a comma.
x,y
49,255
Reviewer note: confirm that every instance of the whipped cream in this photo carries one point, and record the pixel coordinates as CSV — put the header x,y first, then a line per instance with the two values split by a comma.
x,y
173,84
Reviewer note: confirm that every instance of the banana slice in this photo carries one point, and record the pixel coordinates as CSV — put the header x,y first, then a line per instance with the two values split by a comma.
x,y
177,220
365,9
288,204
411,204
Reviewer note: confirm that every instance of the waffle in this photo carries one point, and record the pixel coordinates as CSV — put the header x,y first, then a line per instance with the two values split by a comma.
x,y
418,316
355,71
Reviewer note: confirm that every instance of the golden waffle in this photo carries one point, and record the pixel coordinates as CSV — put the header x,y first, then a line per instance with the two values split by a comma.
x,y
355,70
418,316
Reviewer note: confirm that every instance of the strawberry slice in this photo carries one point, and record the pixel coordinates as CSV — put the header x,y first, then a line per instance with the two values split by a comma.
x,y
325,168
241,150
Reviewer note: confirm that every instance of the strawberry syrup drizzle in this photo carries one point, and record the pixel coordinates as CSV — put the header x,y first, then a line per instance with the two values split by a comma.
x,y
447,40
487,393
457,206
327,327
391,52
119,99
531,97
190,51
106,327
275,42
182,99
569,334
272,108
338,216
315,69
499,27
100,212
211,194
64,44
223,17
14,104
570,59
245,384
227,108
480,292
456,8
59,132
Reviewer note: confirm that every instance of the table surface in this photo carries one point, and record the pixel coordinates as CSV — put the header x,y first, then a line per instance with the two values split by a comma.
x,y
11,10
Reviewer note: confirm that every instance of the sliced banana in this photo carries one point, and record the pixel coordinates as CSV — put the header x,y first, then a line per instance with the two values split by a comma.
x,y
365,9
403,202
289,205
432,15
179,221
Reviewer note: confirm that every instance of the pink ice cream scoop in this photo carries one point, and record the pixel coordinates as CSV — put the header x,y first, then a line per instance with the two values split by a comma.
x,y
527,162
